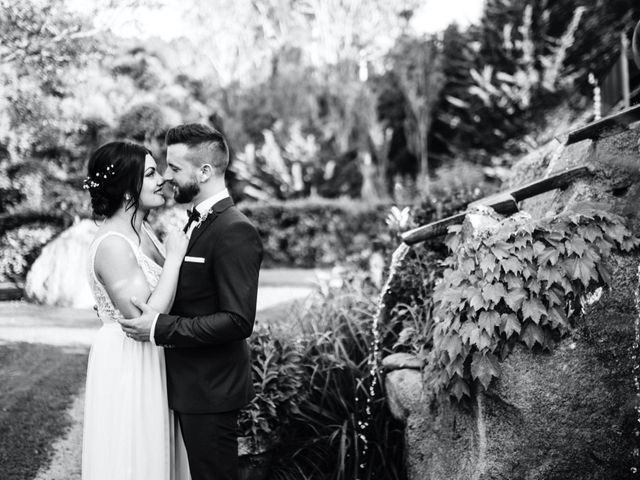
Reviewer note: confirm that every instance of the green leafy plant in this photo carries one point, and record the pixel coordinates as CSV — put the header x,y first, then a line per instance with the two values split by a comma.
x,y
20,247
278,383
316,232
343,430
519,283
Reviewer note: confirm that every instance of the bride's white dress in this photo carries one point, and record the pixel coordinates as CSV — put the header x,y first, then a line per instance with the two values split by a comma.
x,y
129,431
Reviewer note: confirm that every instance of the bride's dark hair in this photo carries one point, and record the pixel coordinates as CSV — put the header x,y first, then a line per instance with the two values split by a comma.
x,y
114,176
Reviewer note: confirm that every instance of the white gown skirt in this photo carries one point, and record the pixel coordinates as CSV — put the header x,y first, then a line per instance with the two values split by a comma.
x,y
129,431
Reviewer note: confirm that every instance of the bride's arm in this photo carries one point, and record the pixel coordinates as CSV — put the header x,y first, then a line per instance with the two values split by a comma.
x,y
118,270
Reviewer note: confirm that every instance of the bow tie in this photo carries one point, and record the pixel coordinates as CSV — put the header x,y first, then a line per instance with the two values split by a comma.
x,y
194,216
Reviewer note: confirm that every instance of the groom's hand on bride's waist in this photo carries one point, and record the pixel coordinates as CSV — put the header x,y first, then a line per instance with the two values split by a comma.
x,y
138,328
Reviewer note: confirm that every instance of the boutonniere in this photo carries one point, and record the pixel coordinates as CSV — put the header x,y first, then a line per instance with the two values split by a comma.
x,y
203,217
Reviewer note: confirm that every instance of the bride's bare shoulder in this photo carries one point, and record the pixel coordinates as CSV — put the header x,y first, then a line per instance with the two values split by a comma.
x,y
113,248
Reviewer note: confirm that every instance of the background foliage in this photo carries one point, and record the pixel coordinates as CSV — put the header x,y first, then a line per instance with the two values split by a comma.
x,y
330,114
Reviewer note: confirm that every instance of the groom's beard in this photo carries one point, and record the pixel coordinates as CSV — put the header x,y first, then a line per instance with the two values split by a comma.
x,y
186,193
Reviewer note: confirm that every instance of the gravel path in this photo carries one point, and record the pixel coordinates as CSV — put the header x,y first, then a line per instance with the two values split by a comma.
x,y
73,328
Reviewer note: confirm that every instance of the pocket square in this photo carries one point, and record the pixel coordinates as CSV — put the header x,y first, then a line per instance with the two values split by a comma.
x,y
194,259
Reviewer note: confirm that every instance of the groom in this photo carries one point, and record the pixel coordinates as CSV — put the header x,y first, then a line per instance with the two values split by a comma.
x,y
207,357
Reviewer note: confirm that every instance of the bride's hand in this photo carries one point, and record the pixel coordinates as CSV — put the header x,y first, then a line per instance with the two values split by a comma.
x,y
176,243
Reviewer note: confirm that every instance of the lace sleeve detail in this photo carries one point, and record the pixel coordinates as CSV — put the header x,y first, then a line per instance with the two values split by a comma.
x,y
107,311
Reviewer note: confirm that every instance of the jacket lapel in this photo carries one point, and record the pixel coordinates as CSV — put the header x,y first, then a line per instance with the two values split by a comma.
x,y
216,210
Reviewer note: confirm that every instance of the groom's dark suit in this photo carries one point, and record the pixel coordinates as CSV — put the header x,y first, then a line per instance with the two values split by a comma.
x,y
207,356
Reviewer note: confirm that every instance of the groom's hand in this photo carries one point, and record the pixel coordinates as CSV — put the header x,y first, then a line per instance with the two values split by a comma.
x,y
139,328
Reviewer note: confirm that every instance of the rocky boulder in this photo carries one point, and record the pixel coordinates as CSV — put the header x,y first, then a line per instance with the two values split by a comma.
x,y
565,415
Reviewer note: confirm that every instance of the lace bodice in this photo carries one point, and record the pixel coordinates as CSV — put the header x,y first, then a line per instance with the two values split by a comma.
x,y
107,311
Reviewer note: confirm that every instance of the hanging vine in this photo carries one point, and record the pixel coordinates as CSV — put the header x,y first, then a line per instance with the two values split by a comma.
x,y
521,283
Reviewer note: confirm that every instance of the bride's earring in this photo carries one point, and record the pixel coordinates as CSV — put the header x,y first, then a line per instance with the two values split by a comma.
x,y
127,197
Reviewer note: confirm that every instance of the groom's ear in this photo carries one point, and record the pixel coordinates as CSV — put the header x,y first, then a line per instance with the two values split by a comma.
x,y
205,172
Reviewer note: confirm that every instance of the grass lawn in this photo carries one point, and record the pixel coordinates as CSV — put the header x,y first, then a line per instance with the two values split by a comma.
x,y
38,384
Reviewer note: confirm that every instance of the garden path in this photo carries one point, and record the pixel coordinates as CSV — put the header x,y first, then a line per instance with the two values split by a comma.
x,y
73,328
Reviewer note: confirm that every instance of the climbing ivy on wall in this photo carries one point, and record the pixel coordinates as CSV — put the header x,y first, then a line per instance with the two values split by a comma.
x,y
518,283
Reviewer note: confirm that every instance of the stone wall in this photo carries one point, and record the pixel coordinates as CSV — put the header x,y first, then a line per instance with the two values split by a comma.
x,y
563,415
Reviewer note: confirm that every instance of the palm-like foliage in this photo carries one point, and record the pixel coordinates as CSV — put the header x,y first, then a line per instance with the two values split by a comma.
x,y
344,430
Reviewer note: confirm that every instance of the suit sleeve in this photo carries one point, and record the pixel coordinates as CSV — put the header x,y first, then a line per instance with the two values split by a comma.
x,y
237,258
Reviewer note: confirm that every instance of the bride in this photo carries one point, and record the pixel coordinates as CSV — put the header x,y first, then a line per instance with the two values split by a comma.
x,y
129,431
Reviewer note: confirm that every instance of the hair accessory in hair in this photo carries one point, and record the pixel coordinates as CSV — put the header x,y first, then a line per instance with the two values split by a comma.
x,y
94,182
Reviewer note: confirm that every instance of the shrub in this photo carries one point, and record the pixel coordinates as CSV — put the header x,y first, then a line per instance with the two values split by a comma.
x,y
20,247
315,232
343,430
277,380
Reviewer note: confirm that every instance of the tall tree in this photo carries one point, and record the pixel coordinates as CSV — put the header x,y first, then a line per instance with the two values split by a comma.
x,y
418,66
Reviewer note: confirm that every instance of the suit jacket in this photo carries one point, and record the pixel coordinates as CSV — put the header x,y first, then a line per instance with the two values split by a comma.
x,y
207,356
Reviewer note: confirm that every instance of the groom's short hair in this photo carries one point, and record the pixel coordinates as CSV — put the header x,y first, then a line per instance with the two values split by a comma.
x,y
209,141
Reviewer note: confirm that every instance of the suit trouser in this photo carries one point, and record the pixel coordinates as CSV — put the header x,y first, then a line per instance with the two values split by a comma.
x,y
211,440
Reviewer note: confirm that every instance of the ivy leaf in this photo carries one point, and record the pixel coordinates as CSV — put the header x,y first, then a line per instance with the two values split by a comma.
x,y
533,285
629,244
458,278
513,281
581,268
558,318
470,333
453,239
501,250
511,264
549,255
455,324
451,297
591,254
575,244
555,296
484,341
566,285
528,272
488,263
526,254
452,345
475,335
514,298
616,232
494,292
484,367
534,309
550,275
604,247
455,367
459,388
509,324
590,232
488,321
557,236
538,248
467,266
474,296
532,334
520,242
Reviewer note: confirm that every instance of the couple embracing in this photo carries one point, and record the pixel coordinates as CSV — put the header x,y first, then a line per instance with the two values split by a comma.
x,y
169,369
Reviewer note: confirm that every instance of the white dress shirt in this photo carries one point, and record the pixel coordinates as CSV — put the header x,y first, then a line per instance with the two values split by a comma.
x,y
203,207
